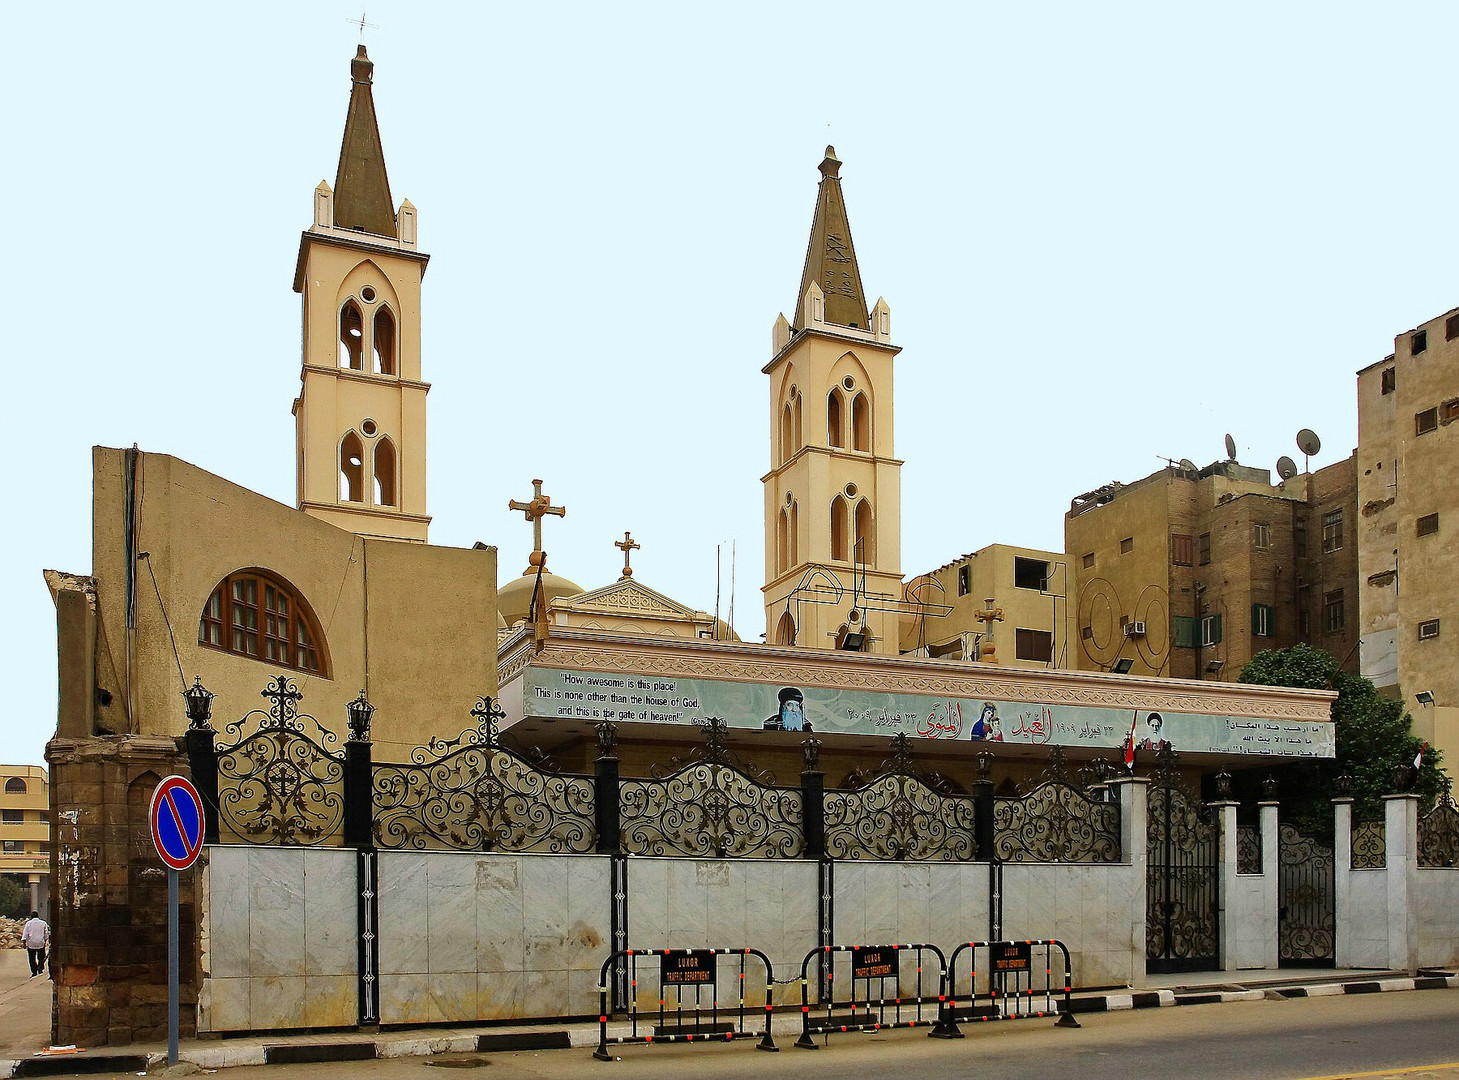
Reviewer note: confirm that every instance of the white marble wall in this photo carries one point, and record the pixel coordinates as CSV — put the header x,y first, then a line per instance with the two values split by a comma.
x,y
1249,910
1097,911
725,904
467,936
1436,912
278,939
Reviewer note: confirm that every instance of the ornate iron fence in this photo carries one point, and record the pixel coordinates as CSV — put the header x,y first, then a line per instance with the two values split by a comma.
x,y
901,814
473,794
1058,819
1438,830
1248,849
283,783
1181,924
711,804
1370,845
1306,896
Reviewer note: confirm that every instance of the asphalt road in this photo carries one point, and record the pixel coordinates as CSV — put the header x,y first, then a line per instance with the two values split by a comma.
x,y
1410,1035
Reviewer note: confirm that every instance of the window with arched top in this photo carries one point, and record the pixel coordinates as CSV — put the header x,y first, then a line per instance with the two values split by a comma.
x,y
787,425
15,786
386,492
256,614
798,437
782,543
785,630
795,534
383,342
860,423
351,337
834,435
865,533
838,528
351,469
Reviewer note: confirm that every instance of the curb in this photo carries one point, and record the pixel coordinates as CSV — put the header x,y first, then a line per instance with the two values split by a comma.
x,y
586,1036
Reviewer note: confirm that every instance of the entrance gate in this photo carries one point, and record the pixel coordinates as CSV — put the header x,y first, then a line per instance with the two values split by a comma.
x,y
1306,914
1182,877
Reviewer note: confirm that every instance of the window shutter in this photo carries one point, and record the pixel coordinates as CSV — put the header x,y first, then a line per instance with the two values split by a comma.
x,y
1185,632
1216,629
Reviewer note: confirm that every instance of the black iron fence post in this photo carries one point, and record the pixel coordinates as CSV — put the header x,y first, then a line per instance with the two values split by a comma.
x,y
813,799
359,796
202,760
606,809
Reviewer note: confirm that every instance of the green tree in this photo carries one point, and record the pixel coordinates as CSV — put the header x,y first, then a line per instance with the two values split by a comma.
x,y
1374,740
14,900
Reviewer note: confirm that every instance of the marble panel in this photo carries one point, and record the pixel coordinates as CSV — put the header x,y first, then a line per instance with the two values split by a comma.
x,y
228,917
583,998
688,909
451,938
544,897
452,996
648,901
276,913
275,1002
544,993
588,911
499,994
404,999
500,935
225,1005
402,909
331,1001
330,937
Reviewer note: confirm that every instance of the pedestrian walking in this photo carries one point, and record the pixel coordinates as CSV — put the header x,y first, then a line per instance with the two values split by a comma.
x,y
35,936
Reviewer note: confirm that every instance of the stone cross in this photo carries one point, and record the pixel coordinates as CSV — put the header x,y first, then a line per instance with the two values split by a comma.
x,y
539,506
628,545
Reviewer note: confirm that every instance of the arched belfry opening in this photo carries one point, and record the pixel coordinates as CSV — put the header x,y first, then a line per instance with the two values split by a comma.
x,y
351,337
385,473
861,423
382,342
835,437
351,468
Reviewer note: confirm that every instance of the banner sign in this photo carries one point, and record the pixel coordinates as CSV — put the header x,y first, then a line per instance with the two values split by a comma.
x,y
873,962
686,966
657,699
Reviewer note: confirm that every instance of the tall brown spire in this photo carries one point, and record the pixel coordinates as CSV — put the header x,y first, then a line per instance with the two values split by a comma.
x,y
361,188
830,260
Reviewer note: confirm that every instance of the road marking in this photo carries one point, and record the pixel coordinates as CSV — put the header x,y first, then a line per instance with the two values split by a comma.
x,y
1386,1072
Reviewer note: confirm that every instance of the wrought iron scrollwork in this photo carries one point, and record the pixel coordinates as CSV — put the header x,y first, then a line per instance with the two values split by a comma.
x,y
900,814
711,804
1438,830
1056,822
1307,926
472,794
283,783
1370,845
1248,849
1181,921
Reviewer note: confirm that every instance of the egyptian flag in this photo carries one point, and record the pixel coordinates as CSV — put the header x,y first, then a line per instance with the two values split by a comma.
x,y
1130,743
1418,762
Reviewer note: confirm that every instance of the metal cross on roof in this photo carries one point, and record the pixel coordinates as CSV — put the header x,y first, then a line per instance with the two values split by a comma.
x,y
362,24
627,545
539,506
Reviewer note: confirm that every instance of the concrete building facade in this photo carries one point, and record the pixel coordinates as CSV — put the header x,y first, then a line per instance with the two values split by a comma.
x,y
25,832
1189,574
1408,499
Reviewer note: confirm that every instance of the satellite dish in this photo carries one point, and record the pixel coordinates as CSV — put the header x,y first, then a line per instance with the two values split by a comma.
x,y
1187,465
1230,448
1308,442
1286,467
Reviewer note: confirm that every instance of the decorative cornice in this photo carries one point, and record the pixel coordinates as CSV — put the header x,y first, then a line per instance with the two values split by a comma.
x,y
741,662
627,597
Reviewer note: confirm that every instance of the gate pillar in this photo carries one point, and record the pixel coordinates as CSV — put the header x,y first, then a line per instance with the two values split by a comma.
x,y
1229,922
1133,793
1401,838
1271,869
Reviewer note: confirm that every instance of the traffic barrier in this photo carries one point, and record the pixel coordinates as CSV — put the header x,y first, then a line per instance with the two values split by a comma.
x,y
870,964
1011,994
681,970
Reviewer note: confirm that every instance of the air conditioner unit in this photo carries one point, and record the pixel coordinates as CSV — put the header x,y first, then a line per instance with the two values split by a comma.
x,y
1134,629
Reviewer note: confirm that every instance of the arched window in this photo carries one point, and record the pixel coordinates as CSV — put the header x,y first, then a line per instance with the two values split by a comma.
x,y
860,423
795,534
838,528
782,543
787,447
865,549
385,491
785,630
351,337
384,342
15,786
799,437
252,613
351,469
834,435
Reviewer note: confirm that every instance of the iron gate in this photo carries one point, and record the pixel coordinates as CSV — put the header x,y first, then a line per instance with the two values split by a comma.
x,y
1182,877
1306,914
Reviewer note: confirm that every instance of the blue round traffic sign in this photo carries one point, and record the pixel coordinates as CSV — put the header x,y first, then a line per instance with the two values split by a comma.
x,y
177,822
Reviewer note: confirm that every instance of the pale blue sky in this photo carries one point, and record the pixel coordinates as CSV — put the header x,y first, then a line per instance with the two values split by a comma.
x,y
1106,232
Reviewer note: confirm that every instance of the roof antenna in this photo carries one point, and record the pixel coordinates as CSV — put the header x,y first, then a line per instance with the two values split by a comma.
x,y
1309,444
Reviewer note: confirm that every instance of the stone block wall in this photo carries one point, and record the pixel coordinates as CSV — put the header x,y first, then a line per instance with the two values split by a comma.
x,y
109,955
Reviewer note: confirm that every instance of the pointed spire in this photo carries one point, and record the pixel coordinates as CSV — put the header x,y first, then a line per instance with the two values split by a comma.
x,y
361,188
830,260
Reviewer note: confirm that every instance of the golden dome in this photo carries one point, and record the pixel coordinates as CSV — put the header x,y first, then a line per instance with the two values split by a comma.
x,y
514,599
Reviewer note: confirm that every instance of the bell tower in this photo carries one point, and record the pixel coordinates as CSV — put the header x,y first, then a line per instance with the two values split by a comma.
x,y
833,493
360,417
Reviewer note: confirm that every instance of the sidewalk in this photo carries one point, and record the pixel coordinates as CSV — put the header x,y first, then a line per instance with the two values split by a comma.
x,y
1191,988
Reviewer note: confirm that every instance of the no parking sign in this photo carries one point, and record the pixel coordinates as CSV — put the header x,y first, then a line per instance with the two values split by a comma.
x,y
177,822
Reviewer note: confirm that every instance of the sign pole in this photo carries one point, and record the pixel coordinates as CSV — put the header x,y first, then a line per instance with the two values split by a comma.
x,y
171,966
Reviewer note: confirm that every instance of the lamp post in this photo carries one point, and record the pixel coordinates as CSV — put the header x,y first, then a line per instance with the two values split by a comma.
x,y
199,705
